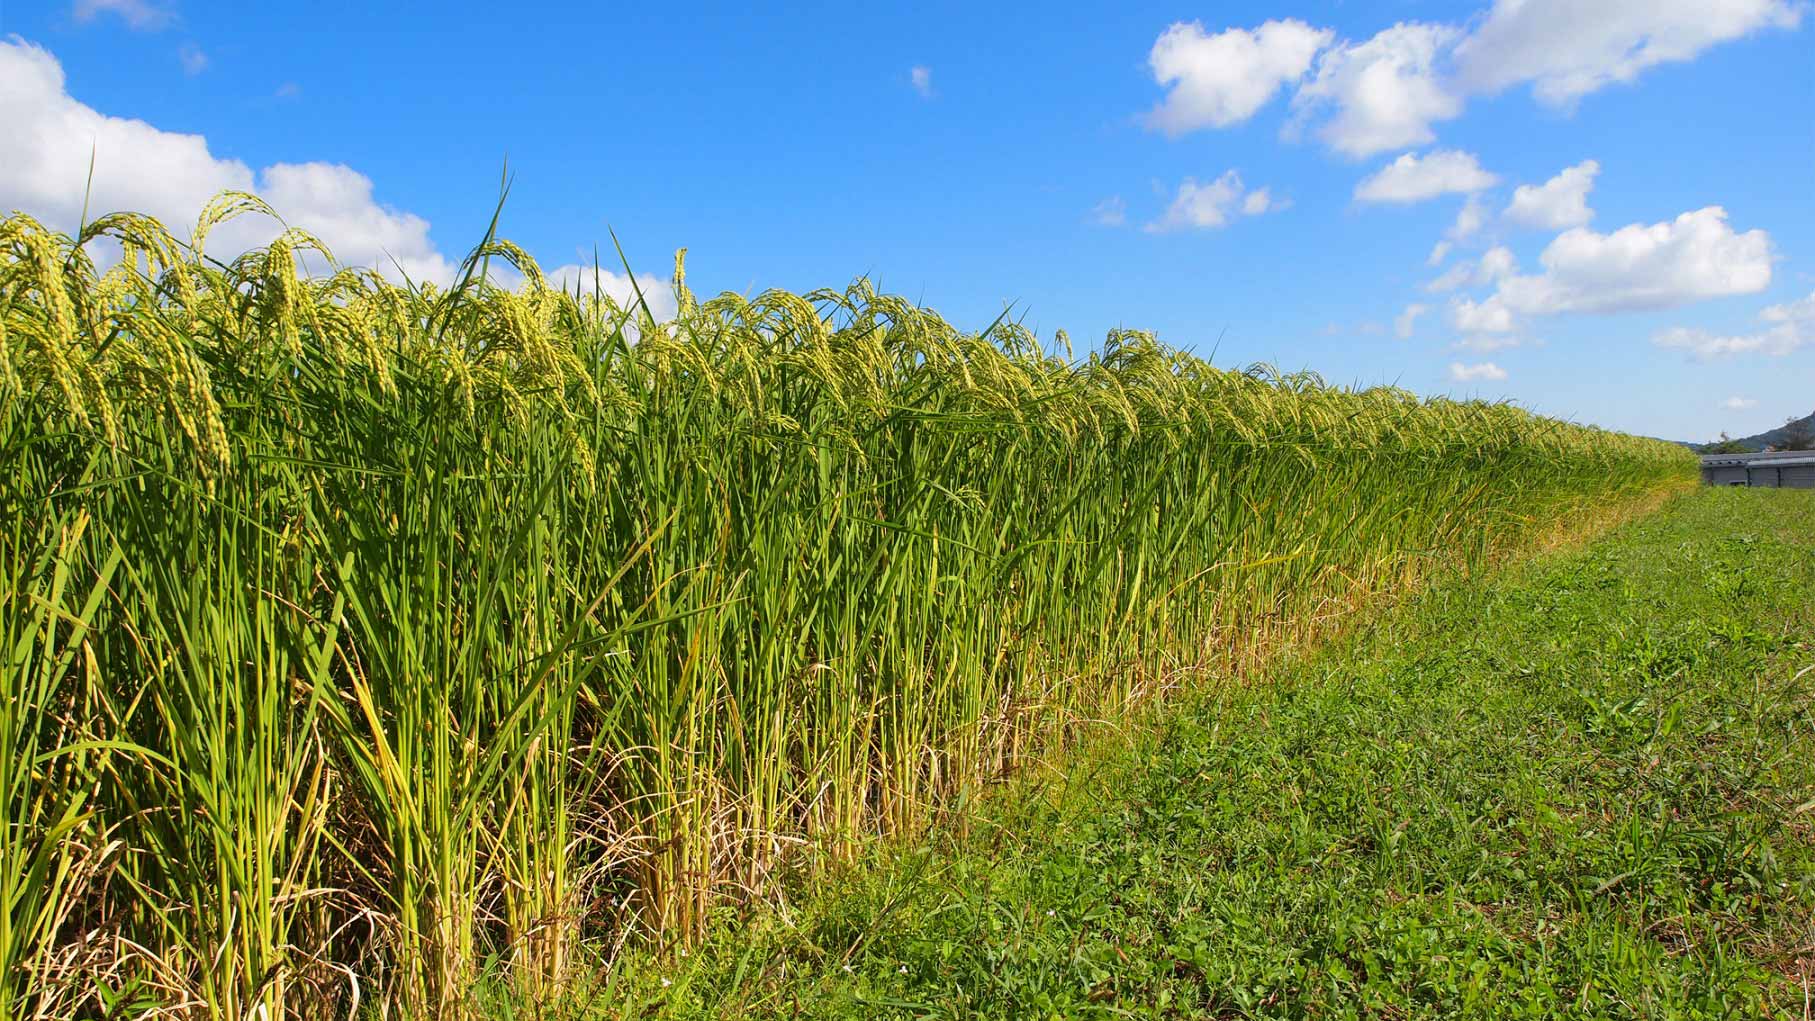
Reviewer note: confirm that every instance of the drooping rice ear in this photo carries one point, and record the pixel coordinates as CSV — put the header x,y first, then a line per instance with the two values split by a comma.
x,y
222,208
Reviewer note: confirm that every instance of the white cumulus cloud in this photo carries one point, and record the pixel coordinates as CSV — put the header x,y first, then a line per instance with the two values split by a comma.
x,y
656,292
1738,403
1381,94
335,202
1478,372
1262,200
1558,203
1788,327
1473,317
1568,48
1212,205
921,77
1693,257
1414,178
137,166
1218,80
171,176
1498,263
1389,91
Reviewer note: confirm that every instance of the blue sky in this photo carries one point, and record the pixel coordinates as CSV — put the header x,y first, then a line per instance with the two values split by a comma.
x,y
1268,181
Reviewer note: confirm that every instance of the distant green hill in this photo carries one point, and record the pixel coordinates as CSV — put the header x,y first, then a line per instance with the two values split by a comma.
x,y
1796,434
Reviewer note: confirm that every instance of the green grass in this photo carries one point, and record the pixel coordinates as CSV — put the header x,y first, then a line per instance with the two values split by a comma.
x,y
1583,788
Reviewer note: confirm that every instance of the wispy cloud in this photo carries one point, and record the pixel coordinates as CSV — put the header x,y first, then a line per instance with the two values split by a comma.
x,y
1788,327
921,77
142,15
1111,212
192,58
1407,321
1487,343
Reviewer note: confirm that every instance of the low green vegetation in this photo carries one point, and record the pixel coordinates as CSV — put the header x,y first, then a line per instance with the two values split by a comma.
x,y
1585,788
358,641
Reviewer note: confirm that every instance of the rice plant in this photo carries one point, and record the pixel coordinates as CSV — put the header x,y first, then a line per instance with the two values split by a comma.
x,y
362,640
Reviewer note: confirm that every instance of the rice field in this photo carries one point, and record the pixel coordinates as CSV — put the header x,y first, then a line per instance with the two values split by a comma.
x,y
361,643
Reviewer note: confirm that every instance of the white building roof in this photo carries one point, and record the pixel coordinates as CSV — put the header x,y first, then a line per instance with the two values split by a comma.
x,y
1767,459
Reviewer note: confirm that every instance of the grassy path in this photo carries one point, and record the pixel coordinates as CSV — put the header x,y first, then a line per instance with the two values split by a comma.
x,y
1585,788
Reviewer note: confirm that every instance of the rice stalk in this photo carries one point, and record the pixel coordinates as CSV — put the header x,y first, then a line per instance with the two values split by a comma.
x,y
377,643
